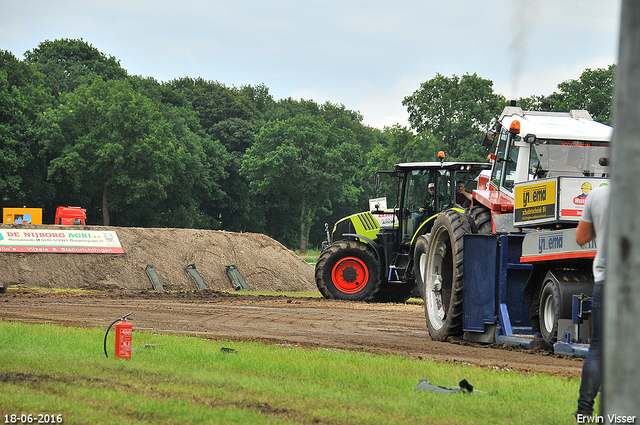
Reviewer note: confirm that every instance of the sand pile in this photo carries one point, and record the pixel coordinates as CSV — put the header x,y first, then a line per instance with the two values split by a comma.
x,y
264,263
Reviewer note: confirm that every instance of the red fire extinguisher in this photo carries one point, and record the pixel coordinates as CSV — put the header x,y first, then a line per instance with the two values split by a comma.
x,y
124,331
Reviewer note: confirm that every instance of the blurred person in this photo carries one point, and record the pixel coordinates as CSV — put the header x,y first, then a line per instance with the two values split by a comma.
x,y
594,225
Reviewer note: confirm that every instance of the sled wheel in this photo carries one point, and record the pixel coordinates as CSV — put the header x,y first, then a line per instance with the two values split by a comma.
x,y
549,312
348,270
443,274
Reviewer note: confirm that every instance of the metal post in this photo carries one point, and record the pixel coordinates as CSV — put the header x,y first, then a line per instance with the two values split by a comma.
x,y
621,386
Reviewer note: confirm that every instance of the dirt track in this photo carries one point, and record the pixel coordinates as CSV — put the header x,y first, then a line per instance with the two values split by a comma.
x,y
307,322
117,284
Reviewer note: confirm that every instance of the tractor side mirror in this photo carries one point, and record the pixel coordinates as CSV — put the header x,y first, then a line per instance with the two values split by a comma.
x,y
531,139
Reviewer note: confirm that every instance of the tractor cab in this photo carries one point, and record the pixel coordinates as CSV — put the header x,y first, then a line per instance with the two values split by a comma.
x,y
428,188
540,159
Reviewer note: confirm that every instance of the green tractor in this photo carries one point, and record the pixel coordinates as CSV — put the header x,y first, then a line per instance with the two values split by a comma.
x,y
371,256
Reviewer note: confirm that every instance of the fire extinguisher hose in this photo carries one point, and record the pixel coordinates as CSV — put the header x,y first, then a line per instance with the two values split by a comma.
x,y
109,328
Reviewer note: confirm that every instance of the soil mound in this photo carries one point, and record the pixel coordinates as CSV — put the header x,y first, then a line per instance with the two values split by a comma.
x,y
264,263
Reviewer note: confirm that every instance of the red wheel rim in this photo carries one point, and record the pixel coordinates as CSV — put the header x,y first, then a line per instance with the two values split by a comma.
x,y
350,275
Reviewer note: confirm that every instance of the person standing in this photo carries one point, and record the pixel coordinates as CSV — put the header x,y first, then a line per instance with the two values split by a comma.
x,y
593,225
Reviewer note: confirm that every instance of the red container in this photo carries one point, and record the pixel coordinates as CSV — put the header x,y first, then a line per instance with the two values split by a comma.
x,y
71,216
124,332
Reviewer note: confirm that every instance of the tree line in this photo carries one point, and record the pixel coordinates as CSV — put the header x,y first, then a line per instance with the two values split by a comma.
x,y
77,129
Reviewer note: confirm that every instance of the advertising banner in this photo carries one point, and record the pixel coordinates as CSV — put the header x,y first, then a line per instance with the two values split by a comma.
x,y
535,202
574,195
61,241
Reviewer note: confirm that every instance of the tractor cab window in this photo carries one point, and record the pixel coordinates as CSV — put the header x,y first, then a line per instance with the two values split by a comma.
x,y
504,171
468,178
496,174
510,168
558,158
417,199
443,190
389,186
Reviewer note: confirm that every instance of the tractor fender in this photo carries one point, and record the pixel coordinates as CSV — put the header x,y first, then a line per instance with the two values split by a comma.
x,y
426,226
569,283
423,229
376,247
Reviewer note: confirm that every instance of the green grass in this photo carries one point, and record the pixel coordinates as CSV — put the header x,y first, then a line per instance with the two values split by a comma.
x,y
48,369
311,256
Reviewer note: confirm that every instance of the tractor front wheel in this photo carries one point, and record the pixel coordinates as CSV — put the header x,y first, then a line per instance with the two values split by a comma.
x,y
348,270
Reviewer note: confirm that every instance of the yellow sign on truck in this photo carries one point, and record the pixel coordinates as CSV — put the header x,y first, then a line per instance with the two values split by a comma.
x,y
535,201
552,200
22,215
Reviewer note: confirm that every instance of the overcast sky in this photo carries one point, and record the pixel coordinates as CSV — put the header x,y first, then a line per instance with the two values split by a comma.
x,y
367,55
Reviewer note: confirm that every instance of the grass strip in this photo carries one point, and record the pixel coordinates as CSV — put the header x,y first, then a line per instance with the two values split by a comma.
x,y
47,369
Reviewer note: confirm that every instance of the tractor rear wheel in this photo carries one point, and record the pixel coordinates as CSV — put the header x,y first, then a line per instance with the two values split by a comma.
x,y
420,262
481,218
443,275
348,270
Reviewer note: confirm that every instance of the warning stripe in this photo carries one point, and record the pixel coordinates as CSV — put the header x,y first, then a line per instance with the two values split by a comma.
x,y
562,256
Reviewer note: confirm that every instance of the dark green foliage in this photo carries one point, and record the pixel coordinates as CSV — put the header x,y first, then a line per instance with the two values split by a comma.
x,y
23,97
305,161
110,144
68,63
593,91
76,129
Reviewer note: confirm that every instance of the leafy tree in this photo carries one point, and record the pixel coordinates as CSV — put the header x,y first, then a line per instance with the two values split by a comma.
x,y
197,189
22,170
238,210
258,95
288,108
232,117
593,91
110,146
456,110
531,103
214,102
68,63
306,160
402,145
365,138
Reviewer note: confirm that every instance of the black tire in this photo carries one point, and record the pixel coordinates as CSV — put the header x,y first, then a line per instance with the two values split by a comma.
x,y
362,268
549,311
444,275
481,218
420,262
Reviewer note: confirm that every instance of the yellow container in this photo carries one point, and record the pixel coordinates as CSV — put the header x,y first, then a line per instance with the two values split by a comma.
x,y
22,215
